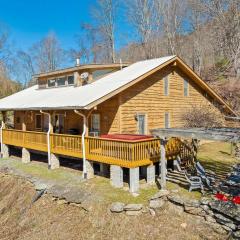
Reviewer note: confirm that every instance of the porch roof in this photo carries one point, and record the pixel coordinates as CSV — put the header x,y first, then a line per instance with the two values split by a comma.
x,y
81,97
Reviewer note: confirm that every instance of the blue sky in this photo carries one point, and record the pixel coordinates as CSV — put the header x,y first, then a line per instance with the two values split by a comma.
x,y
30,20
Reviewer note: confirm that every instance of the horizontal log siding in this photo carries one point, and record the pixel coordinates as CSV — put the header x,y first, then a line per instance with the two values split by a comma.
x,y
148,97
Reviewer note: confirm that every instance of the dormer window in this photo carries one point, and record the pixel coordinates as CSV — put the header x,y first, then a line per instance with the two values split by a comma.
x,y
51,82
70,80
61,81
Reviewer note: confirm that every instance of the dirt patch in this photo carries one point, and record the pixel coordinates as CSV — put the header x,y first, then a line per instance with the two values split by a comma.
x,y
51,219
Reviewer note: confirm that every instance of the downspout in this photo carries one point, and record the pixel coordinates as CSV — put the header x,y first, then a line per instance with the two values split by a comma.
x,y
48,137
83,142
1,130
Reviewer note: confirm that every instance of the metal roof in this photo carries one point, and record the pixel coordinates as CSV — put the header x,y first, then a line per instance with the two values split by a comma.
x,y
72,97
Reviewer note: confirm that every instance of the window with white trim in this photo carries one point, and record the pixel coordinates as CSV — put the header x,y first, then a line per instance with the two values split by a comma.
x,y
166,86
167,120
186,87
61,81
95,122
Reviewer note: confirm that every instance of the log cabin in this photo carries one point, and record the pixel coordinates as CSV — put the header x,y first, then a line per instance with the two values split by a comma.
x,y
103,113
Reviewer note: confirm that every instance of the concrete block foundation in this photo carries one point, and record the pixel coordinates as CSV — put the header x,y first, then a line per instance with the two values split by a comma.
x,y
26,156
151,171
134,180
116,175
90,169
5,151
54,161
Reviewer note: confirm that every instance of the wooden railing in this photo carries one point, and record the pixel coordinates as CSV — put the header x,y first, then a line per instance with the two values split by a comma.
x,y
26,139
68,145
119,152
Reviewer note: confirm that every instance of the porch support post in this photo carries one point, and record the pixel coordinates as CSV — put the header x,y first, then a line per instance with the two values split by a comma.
x,y
116,175
26,156
151,171
134,180
163,163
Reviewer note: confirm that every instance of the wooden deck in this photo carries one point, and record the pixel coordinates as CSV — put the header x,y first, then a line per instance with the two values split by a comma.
x,y
123,153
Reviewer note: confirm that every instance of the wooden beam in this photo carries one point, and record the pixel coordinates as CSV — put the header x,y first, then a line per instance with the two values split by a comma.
x,y
218,134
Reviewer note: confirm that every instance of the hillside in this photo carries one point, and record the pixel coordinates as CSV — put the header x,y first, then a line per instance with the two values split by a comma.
x,y
8,87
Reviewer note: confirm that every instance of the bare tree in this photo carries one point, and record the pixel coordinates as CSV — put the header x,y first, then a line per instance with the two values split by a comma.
x,y
47,53
142,15
44,56
104,16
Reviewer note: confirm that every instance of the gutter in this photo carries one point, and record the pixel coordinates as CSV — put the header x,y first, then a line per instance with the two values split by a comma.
x,y
83,142
1,132
48,137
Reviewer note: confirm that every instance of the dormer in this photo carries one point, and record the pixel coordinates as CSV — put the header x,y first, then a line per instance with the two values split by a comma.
x,y
76,76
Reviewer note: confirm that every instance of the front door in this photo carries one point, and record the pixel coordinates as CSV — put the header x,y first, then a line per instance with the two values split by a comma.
x,y
141,124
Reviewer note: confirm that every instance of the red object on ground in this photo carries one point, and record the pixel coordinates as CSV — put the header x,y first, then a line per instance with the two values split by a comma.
x,y
236,199
128,137
221,197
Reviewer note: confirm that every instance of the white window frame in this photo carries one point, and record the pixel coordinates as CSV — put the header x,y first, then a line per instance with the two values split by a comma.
x,y
166,85
168,117
99,117
185,84
36,122
70,75
145,123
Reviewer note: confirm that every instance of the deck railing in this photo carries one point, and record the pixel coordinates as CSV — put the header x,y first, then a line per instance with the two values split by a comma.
x,y
119,152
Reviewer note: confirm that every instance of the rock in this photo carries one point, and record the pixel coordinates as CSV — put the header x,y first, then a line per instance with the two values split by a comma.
x,y
183,225
192,203
40,186
218,228
117,207
195,211
133,207
228,209
176,199
236,234
133,213
210,219
160,194
222,219
157,203
205,200
152,212
205,208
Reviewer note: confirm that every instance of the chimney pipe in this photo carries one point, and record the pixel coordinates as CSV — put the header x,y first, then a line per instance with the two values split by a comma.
x,y
78,62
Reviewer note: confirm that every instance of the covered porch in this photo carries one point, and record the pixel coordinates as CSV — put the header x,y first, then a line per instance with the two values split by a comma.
x,y
114,152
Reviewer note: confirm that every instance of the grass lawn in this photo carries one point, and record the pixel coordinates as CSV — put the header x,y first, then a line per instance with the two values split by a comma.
x,y
216,156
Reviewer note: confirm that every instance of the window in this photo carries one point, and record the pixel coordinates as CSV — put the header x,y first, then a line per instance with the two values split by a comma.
x,y
70,80
61,81
166,86
38,121
141,124
51,82
167,120
186,90
95,126
18,120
